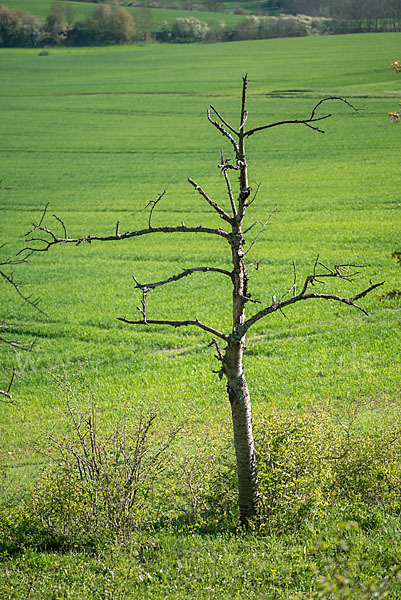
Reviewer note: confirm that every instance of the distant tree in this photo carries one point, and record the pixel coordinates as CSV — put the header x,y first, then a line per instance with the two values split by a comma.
x,y
188,29
19,29
234,233
248,28
56,25
144,22
106,25
214,5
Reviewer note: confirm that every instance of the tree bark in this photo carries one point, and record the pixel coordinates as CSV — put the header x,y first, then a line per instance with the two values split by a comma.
x,y
240,401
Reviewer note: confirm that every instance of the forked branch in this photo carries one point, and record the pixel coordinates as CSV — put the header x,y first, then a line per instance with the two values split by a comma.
x,y
345,272
9,278
211,202
308,122
53,238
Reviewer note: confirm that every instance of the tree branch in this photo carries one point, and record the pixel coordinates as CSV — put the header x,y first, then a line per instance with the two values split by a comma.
x,y
225,133
110,238
211,202
185,273
16,285
152,203
307,122
185,323
303,295
260,230
224,121
7,393
224,166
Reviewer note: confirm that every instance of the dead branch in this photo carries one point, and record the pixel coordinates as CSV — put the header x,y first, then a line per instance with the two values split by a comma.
x,y
307,122
184,323
211,202
260,230
219,356
6,393
185,273
225,133
224,166
153,204
224,121
303,295
13,343
9,277
54,239
255,263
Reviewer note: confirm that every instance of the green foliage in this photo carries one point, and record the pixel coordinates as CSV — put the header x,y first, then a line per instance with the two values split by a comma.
x,y
340,574
309,462
102,484
295,479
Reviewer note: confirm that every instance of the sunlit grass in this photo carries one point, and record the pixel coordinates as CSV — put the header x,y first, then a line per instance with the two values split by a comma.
x,y
97,133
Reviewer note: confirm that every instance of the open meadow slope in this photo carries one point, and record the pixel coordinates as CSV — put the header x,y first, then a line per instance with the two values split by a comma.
x,y
98,133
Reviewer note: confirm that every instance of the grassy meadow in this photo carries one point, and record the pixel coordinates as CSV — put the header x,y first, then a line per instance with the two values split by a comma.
x,y
98,133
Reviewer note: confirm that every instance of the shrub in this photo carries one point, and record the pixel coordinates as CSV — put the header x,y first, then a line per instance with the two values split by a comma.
x,y
310,462
104,484
287,26
295,480
252,27
56,27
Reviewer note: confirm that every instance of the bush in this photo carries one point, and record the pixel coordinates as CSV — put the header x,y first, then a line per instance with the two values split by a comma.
x,y
248,28
103,485
309,463
56,27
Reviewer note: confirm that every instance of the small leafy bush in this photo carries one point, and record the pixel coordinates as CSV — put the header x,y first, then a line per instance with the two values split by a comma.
x,y
311,462
101,486
295,479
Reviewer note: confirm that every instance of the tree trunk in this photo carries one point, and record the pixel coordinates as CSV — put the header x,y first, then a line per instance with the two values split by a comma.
x,y
240,401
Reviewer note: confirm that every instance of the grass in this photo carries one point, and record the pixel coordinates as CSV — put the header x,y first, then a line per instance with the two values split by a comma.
x,y
98,133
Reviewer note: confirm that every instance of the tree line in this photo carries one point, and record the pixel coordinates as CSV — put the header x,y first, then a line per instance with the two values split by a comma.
x,y
108,24
349,15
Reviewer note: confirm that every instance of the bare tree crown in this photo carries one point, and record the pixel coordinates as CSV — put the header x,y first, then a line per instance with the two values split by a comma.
x,y
239,203
231,356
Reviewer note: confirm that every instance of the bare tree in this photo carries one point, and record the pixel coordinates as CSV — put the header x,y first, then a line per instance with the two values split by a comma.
x,y
230,356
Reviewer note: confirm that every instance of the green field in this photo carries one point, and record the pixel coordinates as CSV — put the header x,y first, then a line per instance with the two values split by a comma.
x,y
97,134
80,10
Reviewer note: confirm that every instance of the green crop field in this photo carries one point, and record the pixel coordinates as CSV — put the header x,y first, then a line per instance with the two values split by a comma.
x,y
98,133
